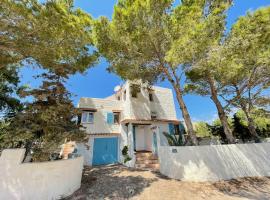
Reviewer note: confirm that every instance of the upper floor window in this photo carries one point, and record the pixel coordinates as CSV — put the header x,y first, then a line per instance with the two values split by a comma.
x,y
134,95
151,97
87,117
125,95
118,98
116,117
153,115
134,90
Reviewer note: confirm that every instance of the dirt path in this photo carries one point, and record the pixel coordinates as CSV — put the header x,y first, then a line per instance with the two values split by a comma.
x,y
118,182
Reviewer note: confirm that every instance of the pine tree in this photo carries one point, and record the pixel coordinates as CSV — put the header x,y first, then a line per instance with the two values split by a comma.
x,y
47,122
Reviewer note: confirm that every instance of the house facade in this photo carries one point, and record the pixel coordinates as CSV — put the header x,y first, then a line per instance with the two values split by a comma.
x,y
134,116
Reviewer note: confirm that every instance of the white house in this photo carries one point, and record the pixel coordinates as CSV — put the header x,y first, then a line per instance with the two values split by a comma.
x,y
134,116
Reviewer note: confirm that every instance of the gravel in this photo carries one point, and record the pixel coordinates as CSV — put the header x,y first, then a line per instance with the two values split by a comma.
x,y
119,182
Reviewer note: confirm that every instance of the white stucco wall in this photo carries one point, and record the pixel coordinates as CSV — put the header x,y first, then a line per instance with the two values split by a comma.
x,y
217,162
141,107
103,106
42,181
163,103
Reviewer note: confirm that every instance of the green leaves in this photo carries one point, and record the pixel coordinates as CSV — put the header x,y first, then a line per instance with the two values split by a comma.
x,y
9,81
130,42
173,140
47,122
55,35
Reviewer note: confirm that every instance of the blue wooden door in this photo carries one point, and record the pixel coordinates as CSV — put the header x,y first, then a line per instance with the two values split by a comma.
x,y
105,151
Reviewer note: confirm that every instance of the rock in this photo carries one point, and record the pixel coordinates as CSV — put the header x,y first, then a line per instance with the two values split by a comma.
x,y
130,190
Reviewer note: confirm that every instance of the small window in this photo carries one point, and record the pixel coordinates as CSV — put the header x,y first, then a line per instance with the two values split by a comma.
x,y
134,90
176,130
153,115
151,97
134,95
118,98
125,95
88,117
116,118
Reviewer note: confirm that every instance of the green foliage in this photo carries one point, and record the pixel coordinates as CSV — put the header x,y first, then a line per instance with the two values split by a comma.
x,y
138,38
202,129
52,35
174,140
246,53
125,154
131,40
46,122
9,80
240,131
239,124
261,119
218,131
238,64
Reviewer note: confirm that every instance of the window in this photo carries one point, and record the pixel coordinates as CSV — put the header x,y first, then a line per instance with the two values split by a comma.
x,y
153,115
118,98
116,118
151,97
176,129
125,95
134,90
134,95
87,117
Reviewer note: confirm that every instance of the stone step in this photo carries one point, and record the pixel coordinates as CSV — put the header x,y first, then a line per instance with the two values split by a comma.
x,y
147,166
147,162
147,158
143,153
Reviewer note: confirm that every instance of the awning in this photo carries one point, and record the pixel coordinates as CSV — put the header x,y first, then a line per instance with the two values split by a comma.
x,y
103,134
89,109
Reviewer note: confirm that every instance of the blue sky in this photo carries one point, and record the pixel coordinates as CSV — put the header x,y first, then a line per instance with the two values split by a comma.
x,y
97,82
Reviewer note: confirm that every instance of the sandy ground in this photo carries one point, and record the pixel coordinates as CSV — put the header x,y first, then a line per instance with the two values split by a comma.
x,y
119,182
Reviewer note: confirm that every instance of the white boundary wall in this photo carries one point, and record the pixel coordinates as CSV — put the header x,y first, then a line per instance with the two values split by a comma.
x,y
216,162
42,181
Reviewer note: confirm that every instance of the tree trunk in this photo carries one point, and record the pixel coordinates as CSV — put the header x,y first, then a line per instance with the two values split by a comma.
x,y
251,124
185,115
221,113
179,96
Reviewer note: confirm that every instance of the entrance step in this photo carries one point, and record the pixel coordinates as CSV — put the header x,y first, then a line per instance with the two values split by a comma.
x,y
146,160
147,166
145,155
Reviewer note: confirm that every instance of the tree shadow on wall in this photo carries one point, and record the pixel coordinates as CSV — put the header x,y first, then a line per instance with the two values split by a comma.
x,y
105,183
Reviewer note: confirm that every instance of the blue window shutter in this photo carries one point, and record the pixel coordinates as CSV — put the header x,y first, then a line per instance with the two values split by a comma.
x,y
171,128
110,118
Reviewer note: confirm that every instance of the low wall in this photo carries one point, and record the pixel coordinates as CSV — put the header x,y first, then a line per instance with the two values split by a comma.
x,y
42,181
216,162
